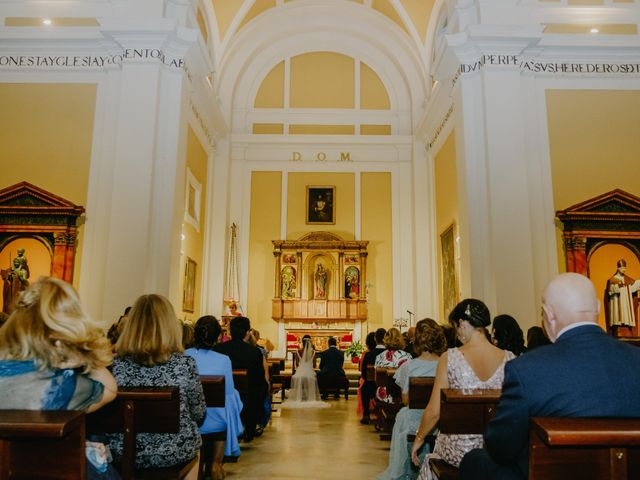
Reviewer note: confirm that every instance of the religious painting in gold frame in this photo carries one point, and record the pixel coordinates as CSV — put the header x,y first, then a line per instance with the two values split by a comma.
x,y
321,205
450,290
189,287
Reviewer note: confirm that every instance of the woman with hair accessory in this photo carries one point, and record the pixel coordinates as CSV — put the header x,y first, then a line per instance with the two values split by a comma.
x,y
429,343
53,356
218,419
150,355
477,364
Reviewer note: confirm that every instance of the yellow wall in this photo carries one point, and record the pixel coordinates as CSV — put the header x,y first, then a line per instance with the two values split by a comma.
x,y
344,206
322,80
37,254
602,266
376,220
271,91
46,132
594,145
373,94
226,10
419,11
264,227
446,204
193,242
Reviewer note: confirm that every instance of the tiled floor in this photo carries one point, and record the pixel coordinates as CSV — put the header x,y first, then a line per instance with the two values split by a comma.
x,y
325,443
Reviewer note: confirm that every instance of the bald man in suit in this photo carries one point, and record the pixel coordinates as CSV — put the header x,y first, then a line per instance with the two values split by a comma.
x,y
583,373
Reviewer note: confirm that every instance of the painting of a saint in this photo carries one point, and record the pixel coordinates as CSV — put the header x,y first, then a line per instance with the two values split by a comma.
x,y
352,283
321,205
288,282
620,299
449,277
320,280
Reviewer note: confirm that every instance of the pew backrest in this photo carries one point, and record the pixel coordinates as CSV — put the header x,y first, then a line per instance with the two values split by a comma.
x,y
213,387
42,444
467,411
381,376
585,448
420,389
137,410
370,374
241,380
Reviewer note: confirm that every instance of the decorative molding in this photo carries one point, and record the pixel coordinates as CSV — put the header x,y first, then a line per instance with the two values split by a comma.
x,y
440,128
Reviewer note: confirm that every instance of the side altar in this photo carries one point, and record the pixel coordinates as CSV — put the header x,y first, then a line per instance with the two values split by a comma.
x,y
318,288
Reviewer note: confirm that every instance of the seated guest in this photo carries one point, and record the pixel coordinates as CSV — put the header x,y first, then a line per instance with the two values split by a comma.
x,y
53,356
536,338
369,386
187,335
265,416
392,357
150,355
409,337
506,334
429,343
218,419
584,373
247,357
478,364
331,362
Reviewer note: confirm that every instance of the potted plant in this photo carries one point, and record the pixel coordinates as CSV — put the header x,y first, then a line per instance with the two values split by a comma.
x,y
354,351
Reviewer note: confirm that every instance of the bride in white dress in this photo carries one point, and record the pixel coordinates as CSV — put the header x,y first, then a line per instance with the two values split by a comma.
x,y
304,391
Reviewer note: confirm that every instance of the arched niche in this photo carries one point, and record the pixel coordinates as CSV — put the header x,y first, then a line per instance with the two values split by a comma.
x,y
597,233
30,212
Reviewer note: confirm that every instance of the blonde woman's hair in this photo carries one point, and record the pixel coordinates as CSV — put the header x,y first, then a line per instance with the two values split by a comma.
x,y
50,326
393,339
151,333
429,337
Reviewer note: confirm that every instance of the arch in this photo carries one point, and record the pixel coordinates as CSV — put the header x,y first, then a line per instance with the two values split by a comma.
x,y
346,29
439,14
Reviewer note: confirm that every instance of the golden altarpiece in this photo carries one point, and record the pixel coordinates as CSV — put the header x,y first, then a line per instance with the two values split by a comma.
x,y
320,288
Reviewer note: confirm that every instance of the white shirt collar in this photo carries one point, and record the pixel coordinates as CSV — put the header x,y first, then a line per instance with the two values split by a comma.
x,y
572,326
380,346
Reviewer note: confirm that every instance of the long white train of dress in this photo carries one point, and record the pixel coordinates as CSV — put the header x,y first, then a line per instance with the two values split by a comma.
x,y
304,391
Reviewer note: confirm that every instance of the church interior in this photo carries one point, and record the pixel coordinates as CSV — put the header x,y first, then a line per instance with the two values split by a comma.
x,y
322,167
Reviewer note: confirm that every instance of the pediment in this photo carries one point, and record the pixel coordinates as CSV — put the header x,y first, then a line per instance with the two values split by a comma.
x,y
26,199
613,202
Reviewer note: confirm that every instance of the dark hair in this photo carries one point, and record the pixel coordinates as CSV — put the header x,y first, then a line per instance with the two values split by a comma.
x,y
380,333
508,334
450,335
371,341
332,342
238,327
127,310
536,338
187,335
207,332
473,311
429,337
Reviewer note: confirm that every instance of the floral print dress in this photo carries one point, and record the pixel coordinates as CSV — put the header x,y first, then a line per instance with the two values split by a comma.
x,y
390,359
451,448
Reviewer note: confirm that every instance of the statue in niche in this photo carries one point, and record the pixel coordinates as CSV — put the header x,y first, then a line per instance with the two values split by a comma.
x,y
620,299
14,280
288,278
320,278
352,283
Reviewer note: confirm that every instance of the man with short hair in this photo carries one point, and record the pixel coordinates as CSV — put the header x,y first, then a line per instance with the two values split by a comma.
x,y
580,374
331,363
369,387
245,356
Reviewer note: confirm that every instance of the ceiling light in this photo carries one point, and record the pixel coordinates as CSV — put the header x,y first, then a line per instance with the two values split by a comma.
x,y
46,21
594,30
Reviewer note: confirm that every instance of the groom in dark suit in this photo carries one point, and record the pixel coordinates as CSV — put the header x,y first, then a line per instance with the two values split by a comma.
x,y
331,362
583,373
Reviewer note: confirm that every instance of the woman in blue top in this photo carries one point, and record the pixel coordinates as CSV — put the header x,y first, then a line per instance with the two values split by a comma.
x,y
218,419
429,344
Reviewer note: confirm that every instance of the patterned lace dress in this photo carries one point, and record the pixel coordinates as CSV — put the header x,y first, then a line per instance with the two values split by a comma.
x,y
451,448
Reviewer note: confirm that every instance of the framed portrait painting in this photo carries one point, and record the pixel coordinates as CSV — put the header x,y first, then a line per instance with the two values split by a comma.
x,y
450,290
321,205
189,287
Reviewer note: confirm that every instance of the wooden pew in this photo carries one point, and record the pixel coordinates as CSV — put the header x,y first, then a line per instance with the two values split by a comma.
x,y
141,410
370,374
213,387
284,380
386,412
332,384
276,365
241,380
42,444
463,412
420,389
584,448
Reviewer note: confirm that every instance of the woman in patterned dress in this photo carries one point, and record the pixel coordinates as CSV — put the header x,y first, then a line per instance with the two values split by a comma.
x,y
392,357
476,365
150,355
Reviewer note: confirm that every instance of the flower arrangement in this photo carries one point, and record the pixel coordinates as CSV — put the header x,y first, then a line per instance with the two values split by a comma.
x,y
354,350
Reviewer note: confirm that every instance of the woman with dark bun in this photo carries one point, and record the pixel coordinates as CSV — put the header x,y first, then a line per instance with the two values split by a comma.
x,y
507,334
218,419
477,364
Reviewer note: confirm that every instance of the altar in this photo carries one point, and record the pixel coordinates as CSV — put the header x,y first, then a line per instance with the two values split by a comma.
x,y
317,288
